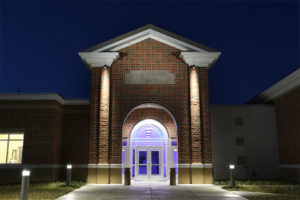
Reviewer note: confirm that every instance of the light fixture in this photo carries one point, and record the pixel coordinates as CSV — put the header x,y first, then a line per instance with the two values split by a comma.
x,y
231,166
25,172
69,166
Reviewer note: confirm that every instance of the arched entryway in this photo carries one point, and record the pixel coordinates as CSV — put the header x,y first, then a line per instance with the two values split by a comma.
x,y
149,146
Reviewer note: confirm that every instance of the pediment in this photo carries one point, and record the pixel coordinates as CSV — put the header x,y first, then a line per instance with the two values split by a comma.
x,y
193,53
146,32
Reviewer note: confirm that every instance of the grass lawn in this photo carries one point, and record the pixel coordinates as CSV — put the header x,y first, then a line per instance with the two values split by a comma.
x,y
283,190
38,190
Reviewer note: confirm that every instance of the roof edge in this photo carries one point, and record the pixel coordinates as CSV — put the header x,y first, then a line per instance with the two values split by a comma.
x,y
42,97
146,27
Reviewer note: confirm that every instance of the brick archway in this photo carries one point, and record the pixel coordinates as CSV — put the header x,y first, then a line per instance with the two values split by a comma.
x,y
149,111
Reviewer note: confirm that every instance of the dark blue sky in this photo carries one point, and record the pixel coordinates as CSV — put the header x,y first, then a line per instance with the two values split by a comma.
x,y
40,41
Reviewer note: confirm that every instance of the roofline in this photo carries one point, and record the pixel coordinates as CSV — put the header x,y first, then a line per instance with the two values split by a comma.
x,y
282,87
42,97
146,27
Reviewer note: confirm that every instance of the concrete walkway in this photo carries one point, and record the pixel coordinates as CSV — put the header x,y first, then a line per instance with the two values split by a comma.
x,y
150,191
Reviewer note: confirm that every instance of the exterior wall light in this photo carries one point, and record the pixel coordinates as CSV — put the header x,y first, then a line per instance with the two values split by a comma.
x,y
69,166
231,166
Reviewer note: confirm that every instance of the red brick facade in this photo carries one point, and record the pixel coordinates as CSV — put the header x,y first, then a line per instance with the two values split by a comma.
x,y
150,55
41,122
288,126
75,134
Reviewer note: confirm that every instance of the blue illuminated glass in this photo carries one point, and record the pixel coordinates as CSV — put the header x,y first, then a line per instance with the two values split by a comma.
x,y
133,156
124,144
155,169
133,171
175,160
143,170
155,157
174,143
123,159
142,157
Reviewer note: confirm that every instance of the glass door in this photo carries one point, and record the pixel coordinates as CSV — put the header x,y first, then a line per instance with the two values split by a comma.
x,y
142,163
148,163
155,162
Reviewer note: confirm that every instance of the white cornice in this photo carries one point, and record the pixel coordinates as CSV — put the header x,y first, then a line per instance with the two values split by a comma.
x,y
99,59
34,97
288,83
43,97
149,33
200,59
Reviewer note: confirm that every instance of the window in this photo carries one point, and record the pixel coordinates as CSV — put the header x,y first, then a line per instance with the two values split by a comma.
x,y
238,121
11,148
241,160
240,141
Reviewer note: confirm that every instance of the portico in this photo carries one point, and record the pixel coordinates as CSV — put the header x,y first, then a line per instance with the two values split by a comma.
x,y
170,121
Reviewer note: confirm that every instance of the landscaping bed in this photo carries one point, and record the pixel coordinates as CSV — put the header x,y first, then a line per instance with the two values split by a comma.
x,y
265,190
50,190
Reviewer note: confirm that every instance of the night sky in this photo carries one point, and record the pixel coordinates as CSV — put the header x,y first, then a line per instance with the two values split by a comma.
x,y
40,41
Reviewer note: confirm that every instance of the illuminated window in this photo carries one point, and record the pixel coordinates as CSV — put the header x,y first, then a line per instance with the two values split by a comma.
x,y
11,148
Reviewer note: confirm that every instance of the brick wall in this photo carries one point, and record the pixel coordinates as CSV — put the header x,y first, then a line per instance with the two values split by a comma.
x,y
75,134
41,122
205,116
150,55
288,126
94,115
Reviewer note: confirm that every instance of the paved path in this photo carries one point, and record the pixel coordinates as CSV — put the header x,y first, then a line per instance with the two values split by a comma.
x,y
150,191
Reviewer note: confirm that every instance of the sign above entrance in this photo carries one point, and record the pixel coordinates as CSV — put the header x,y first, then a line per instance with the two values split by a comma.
x,y
149,77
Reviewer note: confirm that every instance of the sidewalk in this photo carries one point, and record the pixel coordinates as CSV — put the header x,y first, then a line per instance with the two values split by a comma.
x,y
151,191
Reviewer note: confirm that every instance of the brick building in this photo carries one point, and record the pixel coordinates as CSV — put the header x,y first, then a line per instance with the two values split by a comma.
x,y
284,96
148,111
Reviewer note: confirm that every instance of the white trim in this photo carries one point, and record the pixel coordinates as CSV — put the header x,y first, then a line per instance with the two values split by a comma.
x,y
290,166
25,97
289,82
184,165
92,166
205,165
98,59
43,97
77,102
149,33
150,122
200,59
40,166
115,165
102,165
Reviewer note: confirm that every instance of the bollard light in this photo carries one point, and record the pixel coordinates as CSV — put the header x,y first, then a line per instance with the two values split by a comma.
x,y
232,178
25,172
25,184
69,173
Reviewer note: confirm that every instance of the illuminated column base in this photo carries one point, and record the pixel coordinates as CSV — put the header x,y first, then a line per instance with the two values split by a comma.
x,y
104,174
195,174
